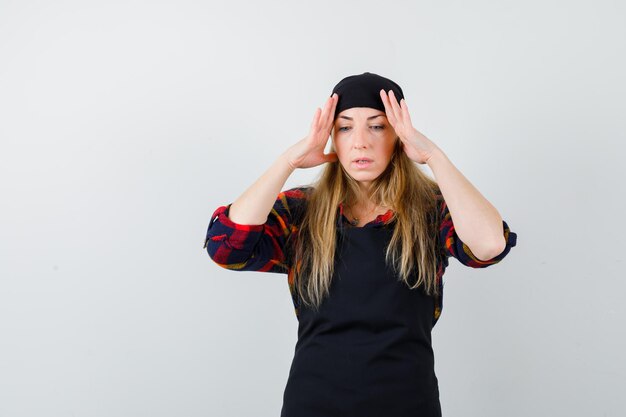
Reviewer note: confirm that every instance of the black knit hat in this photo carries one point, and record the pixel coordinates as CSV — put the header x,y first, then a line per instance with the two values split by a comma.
x,y
364,91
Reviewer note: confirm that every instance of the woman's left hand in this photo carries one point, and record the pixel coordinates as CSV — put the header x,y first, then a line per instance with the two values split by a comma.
x,y
417,146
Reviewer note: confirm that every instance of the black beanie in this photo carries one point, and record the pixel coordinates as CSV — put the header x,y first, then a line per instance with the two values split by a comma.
x,y
364,91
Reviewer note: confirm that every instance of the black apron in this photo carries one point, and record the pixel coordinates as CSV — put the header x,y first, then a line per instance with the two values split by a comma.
x,y
367,351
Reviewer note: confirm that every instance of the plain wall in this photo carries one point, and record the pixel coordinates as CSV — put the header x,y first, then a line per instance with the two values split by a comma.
x,y
125,124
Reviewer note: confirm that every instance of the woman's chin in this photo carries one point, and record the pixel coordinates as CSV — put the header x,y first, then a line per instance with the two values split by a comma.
x,y
364,177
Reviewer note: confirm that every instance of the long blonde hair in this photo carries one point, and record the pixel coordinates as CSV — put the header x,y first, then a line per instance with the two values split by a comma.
x,y
414,242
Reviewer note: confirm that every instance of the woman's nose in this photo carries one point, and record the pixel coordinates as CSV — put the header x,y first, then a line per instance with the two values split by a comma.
x,y
360,139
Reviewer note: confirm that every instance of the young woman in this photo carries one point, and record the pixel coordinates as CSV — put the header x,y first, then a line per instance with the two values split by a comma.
x,y
364,248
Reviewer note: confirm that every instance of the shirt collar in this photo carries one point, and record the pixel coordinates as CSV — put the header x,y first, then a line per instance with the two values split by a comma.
x,y
380,220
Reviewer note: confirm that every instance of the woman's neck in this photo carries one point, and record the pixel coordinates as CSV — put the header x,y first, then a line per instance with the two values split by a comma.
x,y
360,214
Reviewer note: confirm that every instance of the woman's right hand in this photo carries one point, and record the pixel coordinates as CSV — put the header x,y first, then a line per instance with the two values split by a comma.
x,y
309,152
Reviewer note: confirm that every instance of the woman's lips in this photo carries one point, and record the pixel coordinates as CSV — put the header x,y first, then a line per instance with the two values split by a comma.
x,y
363,164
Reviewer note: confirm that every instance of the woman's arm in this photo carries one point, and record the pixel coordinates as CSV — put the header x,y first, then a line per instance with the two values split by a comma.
x,y
251,233
476,220
253,206
477,223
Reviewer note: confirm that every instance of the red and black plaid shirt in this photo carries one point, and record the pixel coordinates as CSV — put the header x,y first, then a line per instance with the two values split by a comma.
x,y
262,247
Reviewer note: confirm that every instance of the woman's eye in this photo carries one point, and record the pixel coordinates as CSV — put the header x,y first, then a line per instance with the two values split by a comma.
x,y
347,127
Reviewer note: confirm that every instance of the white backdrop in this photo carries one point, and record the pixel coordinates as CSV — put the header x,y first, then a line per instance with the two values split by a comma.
x,y
124,124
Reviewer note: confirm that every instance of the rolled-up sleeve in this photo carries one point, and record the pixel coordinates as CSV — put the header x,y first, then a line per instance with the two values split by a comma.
x,y
253,247
453,246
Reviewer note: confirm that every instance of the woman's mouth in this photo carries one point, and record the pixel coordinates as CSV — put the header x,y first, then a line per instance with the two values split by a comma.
x,y
362,163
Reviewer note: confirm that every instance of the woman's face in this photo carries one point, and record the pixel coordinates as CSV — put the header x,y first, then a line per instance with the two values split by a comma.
x,y
363,133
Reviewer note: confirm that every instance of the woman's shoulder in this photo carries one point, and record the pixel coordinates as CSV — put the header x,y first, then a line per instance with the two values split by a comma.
x,y
296,196
298,192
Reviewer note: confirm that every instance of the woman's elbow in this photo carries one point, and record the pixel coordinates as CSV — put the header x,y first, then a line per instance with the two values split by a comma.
x,y
490,251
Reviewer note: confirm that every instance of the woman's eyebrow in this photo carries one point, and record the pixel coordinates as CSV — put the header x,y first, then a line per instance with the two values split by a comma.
x,y
369,118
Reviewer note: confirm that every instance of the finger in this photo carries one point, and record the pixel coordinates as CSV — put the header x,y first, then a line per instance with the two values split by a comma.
x,y
323,123
405,110
388,109
394,103
331,112
385,99
327,106
322,120
394,108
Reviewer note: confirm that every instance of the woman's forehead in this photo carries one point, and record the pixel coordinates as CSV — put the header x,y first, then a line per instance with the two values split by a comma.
x,y
360,112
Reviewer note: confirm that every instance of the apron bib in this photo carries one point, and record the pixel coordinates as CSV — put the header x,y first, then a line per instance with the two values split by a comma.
x,y
367,351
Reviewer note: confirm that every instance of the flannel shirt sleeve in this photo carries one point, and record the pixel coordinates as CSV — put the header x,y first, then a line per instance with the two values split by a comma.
x,y
453,246
254,247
